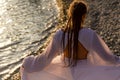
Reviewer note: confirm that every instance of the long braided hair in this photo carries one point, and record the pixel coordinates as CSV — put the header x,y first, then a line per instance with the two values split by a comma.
x,y
76,13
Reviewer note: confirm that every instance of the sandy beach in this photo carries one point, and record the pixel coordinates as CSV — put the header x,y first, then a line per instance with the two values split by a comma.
x,y
103,17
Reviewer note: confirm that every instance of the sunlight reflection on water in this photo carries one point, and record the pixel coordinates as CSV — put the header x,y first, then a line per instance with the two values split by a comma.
x,y
21,25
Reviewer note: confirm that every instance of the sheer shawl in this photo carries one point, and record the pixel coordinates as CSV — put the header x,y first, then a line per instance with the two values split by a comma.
x,y
99,53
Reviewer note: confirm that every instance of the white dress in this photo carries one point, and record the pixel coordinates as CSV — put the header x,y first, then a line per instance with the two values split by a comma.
x,y
100,64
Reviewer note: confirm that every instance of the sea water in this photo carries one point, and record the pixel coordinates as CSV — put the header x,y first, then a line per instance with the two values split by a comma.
x,y
22,23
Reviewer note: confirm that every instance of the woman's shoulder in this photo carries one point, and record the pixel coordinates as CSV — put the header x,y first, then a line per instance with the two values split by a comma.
x,y
58,34
87,30
59,31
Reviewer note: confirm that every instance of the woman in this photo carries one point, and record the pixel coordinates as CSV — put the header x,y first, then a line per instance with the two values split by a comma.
x,y
83,55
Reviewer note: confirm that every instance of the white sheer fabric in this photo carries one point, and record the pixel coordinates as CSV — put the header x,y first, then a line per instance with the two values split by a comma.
x,y
100,64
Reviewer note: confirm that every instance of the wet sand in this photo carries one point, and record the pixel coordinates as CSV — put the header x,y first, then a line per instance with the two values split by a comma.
x,y
103,17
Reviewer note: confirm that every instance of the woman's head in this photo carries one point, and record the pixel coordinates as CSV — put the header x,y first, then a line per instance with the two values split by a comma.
x,y
76,13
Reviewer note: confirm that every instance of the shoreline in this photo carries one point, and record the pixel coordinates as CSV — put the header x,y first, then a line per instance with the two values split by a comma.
x,y
96,18
61,21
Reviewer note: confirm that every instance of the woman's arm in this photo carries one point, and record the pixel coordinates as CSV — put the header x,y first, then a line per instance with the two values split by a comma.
x,y
99,46
37,63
